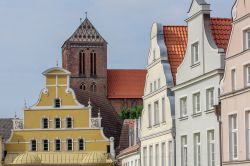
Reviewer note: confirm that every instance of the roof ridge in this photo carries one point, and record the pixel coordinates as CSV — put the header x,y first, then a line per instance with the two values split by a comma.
x,y
224,18
174,25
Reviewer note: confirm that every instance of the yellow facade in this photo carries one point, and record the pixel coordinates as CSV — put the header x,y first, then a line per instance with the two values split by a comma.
x,y
57,104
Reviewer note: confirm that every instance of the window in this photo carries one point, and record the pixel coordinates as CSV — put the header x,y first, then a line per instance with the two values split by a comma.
x,y
57,103
83,86
45,145
131,136
210,98
163,154
233,79
57,145
247,75
156,112
195,53
151,87
155,85
183,106
57,123
196,103
197,149
211,148
93,63
145,163
157,153
93,87
80,144
247,39
33,145
233,137
170,154
159,83
163,109
151,155
68,122
81,63
45,123
69,145
248,133
184,151
149,116
135,162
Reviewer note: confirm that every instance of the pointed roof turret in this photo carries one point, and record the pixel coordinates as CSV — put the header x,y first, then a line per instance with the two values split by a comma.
x,y
86,33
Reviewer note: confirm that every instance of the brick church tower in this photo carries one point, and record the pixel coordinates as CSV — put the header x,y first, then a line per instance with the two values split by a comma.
x,y
84,54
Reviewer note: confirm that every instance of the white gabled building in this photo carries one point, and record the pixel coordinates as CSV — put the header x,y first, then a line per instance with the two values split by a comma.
x,y
197,88
158,129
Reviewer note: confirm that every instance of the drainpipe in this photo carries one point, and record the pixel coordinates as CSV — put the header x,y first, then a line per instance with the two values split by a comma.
x,y
218,115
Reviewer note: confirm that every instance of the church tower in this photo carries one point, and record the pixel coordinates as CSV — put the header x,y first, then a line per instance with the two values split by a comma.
x,y
84,54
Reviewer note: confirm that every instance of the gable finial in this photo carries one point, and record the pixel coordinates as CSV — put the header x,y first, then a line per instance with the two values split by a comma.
x,y
86,14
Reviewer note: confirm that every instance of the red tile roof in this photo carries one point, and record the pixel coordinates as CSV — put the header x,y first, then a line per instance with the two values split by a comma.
x,y
176,42
221,30
123,83
129,150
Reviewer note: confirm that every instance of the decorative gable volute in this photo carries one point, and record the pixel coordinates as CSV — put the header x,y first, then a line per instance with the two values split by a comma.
x,y
197,7
240,9
158,48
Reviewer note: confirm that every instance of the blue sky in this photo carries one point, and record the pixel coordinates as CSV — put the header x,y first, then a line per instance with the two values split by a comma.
x,y
32,33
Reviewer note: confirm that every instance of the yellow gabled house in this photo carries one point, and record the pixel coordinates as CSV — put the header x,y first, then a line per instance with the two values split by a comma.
x,y
58,129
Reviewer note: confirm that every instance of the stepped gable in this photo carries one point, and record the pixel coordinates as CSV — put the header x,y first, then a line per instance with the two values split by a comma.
x,y
175,38
6,125
126,83
111,122
86,33
221,30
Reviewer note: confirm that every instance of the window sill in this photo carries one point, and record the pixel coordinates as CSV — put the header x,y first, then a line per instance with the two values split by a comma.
x,y
156,125
211,110
163,123
150,127
195,64
183,118
196,114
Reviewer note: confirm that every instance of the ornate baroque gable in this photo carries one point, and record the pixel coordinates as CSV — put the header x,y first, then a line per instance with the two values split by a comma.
x,y
86,32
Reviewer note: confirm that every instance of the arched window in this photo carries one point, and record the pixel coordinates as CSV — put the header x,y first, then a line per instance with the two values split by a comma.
x,y
81,63
93,63
45,123
93,87
83,86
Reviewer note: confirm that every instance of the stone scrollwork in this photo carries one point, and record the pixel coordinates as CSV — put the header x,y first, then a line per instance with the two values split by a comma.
x,y
17,124
95,122
45,91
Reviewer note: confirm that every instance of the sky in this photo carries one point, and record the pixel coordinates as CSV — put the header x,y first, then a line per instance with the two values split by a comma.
x,y
33,31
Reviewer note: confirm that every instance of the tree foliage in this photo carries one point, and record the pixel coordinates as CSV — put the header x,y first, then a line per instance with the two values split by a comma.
x,y
131,113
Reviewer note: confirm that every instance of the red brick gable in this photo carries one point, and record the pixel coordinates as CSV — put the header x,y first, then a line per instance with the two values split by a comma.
x,y
126,83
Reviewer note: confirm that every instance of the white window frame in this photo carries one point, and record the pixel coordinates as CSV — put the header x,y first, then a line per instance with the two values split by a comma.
x,y
247,75
247,134
55,145
233,79
246,39
157,154
210,98
183,107
44,145
31,145
144,157
156,113
211,147
151,87
232,136
197,149
59,121
163,109
184,151
149,115
67,144
151,155
43,122
155,86
195,53
197,102
159,83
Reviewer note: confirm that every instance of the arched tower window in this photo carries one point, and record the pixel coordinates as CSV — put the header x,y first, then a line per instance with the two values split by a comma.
x,y
83,86
93,63
81,63
93,87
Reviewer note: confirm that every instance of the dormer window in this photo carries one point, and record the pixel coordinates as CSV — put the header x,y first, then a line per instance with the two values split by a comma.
x,y
247,39
57,103
195,53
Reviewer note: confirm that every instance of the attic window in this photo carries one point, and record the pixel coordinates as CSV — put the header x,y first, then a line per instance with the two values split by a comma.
x,y
97,37
57,103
